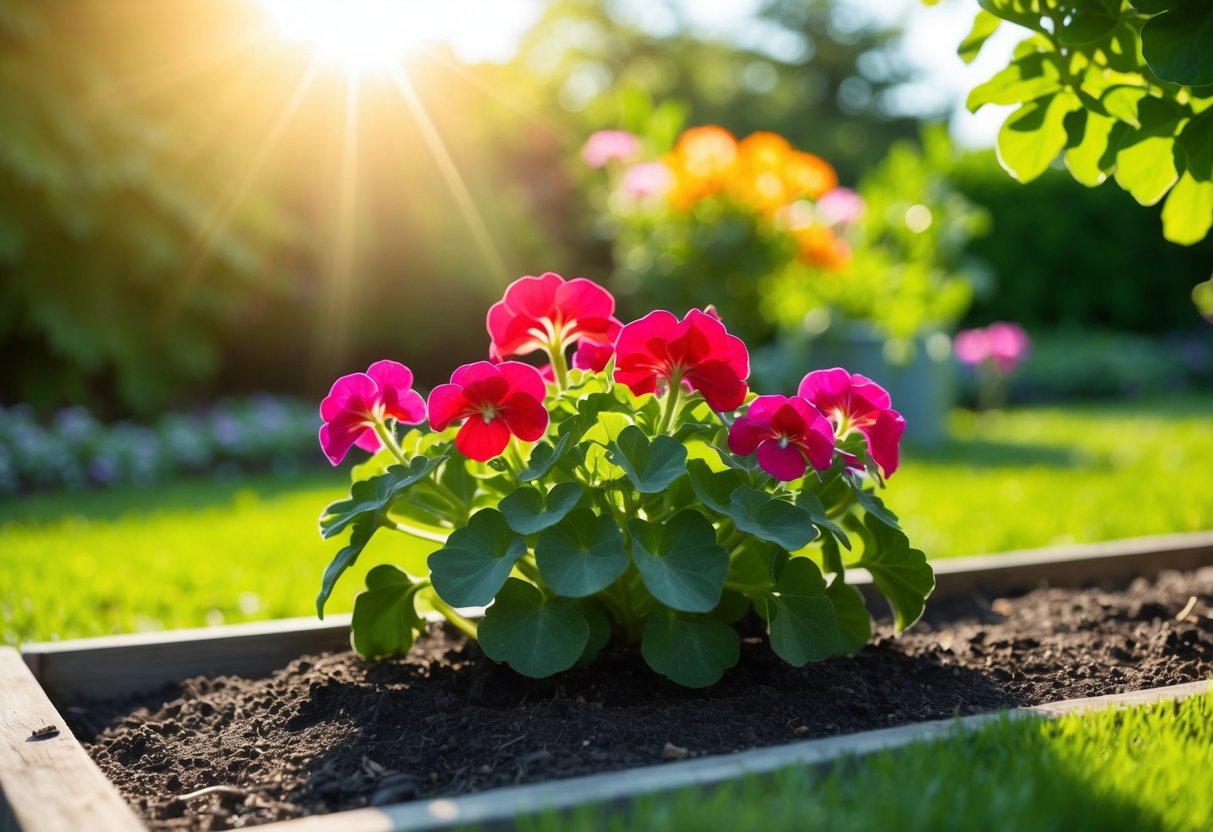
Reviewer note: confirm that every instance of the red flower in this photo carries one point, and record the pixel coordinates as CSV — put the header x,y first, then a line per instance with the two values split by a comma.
x,y
856,403
696,351
593,356
549,313
496,400
788,433
358,401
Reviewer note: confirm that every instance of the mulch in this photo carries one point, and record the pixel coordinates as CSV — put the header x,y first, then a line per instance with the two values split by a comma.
x,y
332,732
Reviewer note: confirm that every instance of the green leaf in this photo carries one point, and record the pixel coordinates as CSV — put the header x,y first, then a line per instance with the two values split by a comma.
x,y
771,519
545,456
984,25
529,511
532,636
694,652
854,622
650,465
385,620
680,562
1016,11
476,560
1196,142
901,574
873,505
1085,159
1024,79
803,625
713,488
1145,162
1033,135
600,629
1178,44
1087,27
581,554
1122,102
364,528
1188,212
374,496
1202,297
821,518
757,564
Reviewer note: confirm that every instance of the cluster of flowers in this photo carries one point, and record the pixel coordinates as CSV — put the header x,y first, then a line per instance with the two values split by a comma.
x,y
796,191
643,494
76,450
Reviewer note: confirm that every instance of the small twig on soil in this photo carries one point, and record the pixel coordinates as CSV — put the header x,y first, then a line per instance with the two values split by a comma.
x,y
229,791
1187,610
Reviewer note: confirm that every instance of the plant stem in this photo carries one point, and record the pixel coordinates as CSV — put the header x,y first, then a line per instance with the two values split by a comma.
x,y
389,441
560,366
671,403
423,534
468,628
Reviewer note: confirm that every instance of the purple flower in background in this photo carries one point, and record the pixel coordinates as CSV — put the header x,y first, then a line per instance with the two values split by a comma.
x,y
841,206
607,145
1005,345
647,179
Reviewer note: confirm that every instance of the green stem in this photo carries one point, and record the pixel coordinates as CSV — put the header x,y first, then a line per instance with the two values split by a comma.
x,y
389,441
423,534
671,403
468,628
560,366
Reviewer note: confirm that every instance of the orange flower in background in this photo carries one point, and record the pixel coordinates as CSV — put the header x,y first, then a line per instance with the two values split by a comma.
x,y
810,175
702,163
760,180
820,246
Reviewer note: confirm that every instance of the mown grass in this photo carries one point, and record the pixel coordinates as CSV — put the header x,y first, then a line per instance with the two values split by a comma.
x,y
1141,769
198,552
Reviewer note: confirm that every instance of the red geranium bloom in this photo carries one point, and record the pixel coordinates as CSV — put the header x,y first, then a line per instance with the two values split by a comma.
x,y
358,401
549,313
788,433
593,356
496,400
696,351
855,402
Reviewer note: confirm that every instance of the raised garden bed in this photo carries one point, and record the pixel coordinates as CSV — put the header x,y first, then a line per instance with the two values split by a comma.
x,y
447,722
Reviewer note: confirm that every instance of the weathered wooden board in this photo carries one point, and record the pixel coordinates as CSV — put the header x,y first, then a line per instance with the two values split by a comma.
x,y
48,783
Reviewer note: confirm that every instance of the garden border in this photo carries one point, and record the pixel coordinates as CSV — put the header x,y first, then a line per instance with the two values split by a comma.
x,y
51,784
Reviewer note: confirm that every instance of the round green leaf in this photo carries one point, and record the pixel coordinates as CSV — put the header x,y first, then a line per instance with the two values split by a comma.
x,y
385,621
1085,159
771,519
713,488
1026,78
651,466
854,621
1087,27
530,511
535,638
581,554
694,652
901,574
1188,212
1196,141
1178,44
1033,135
804,626
476,560
984,25
1145,162
680,562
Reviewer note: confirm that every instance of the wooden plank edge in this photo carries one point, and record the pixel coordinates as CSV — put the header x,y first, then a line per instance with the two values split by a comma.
x,y
500,808
52,783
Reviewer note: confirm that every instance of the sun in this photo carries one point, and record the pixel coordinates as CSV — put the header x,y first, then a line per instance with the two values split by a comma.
x,y
360,36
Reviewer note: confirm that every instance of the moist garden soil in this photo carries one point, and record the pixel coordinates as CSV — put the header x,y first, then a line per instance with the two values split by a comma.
x,y
332,732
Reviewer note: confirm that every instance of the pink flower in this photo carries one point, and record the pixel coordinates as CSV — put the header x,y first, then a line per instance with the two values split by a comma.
x,y
856,403
841,206
593,357
647,179
549,313
972,346
1003,344
696,351
496,400
789,434
607,145
359,401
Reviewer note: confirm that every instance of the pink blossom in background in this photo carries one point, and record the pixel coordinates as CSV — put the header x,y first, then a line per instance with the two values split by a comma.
x,y
789,434
607,145
1004,344
647,179
972,346
853,402
358,401
841,206
494,401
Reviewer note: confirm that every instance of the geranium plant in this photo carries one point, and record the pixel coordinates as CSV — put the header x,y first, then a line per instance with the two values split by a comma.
x,y
641,495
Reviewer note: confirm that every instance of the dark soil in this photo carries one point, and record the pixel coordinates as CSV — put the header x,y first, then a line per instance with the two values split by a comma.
x,y
331,732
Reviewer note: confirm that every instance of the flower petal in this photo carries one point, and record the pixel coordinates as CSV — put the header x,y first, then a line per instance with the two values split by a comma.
x,y
581,298
447,404
782,463
336,438
353,392
533,297
522,378
481,440
746,434
525,417
884,436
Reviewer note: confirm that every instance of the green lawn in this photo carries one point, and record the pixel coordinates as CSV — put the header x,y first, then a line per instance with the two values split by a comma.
x,y
199,552
1142,769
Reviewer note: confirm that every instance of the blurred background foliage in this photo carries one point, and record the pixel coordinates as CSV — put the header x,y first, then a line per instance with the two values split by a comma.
x,y
188,209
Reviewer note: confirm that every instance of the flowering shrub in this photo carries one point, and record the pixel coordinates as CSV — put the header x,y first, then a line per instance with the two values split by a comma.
x,y
994,353
649,498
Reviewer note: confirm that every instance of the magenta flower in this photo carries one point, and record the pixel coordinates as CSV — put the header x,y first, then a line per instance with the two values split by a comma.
x,y
1005,345
696,351
496,401
647,179
359,401
608,145
852,402
789,434
549,313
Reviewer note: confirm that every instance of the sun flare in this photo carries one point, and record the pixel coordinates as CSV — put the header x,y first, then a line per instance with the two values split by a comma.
x,y
359,35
